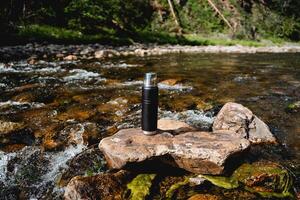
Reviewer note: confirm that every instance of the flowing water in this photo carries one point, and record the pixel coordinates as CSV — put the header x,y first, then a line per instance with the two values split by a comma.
x,y
60,109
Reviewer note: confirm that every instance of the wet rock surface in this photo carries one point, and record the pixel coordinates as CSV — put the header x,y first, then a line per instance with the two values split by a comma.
x,y
102,186
239,119
8,127
205,197
87,163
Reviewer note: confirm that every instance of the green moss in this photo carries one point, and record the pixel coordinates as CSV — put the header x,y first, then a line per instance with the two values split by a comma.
x,y
96,168
140,186
266,179
293,106
224,182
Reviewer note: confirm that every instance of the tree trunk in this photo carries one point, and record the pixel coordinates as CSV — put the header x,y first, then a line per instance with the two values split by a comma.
x,y
221,15
174,16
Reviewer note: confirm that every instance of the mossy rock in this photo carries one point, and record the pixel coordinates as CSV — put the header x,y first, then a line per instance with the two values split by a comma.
x,y
293,107
140,186
267,179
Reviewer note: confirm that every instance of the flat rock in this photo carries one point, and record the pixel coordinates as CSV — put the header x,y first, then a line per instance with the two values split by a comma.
x,y
173,126
131,145
197,152
239,119
234,130
205,152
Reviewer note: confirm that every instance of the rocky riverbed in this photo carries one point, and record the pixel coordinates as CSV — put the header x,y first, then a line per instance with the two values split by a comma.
x,y
235,131
57,103
34,52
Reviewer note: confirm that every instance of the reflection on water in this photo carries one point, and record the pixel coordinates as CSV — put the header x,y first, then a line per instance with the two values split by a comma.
x,y
53,99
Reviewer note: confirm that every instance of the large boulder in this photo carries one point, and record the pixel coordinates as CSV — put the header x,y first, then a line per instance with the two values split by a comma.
x,y
234,130
197,152
239,119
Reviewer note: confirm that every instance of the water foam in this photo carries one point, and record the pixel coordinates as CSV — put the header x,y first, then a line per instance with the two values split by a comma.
x,y
174,87
81,74
119,65
195,118
27,68
4,158
53,164
10,103
3,85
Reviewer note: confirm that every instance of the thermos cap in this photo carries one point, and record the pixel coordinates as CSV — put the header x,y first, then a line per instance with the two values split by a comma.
x,y
150,79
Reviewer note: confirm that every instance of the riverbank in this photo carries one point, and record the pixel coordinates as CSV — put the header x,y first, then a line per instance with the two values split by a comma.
x,y
33,51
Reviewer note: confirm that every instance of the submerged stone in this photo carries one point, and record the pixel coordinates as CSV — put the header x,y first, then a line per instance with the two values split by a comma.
x,y
265,178
102,186
205,197
14,136
8,127
170,81
89,162
170,192
294,107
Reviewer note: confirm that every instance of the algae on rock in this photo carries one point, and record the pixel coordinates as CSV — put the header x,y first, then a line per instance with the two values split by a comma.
x,y
140,186
266,179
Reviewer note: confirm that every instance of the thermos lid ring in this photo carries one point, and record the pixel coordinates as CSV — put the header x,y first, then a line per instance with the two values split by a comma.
x,y
150,79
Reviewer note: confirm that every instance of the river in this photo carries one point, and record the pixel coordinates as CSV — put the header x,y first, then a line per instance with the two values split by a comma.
x,y
59,109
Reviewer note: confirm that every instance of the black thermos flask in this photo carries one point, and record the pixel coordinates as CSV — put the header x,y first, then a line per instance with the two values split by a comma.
x,y
149,104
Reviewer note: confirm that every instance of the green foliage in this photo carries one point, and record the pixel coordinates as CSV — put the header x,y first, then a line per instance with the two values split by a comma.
x,y
113,20
272,24
224,182
195,17
199,17
62,35
92,16
140,186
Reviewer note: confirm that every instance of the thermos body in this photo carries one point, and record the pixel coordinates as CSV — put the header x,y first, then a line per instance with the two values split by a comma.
x,y
149,108
149,104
